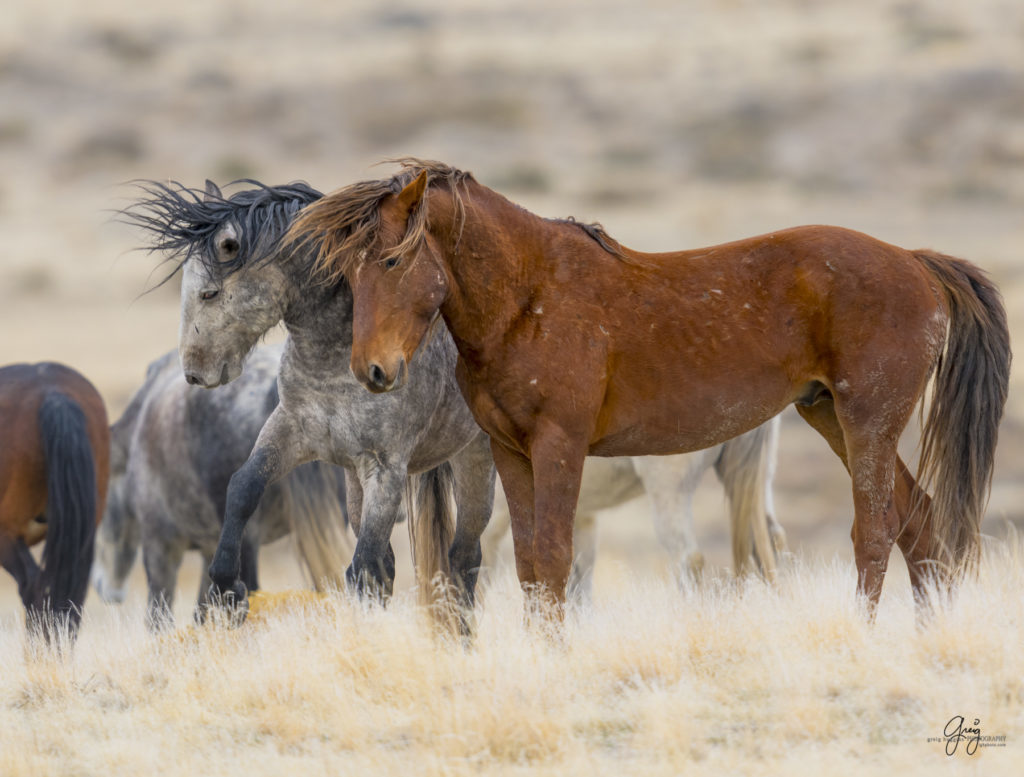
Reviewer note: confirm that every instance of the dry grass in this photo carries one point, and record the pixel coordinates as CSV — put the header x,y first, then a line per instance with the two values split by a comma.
x,y
736,679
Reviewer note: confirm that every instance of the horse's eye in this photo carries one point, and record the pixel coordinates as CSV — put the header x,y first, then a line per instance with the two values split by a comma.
x,y
208,294
390,262
229,246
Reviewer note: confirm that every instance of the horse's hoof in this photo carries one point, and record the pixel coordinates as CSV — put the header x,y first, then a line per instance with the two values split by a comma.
x,y
232,602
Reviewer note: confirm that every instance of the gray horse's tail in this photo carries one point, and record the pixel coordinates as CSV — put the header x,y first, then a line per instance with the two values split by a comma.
x,y
71,505
313,500
431,527
746,467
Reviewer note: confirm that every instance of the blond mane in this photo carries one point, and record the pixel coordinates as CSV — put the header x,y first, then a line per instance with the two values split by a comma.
x,y
344,224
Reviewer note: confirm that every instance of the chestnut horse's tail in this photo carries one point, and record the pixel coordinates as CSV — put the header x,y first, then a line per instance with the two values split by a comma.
x,y
969,391
70,510
431,527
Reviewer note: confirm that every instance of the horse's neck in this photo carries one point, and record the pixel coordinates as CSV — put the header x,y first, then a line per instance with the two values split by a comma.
x,y
319,322
490,286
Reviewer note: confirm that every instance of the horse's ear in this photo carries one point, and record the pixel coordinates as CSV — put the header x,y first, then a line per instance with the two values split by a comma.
x,y
212,192
409,198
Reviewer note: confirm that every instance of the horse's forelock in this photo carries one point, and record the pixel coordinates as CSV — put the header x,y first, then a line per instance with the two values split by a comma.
x,y
343,225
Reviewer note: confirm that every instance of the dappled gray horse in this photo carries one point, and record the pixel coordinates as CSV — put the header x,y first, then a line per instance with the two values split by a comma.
x,y
173,451
236,284
745,466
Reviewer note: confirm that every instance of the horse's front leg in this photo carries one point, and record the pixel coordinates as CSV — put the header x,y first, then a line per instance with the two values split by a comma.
x,y
516,474
557,459
372,571
278,450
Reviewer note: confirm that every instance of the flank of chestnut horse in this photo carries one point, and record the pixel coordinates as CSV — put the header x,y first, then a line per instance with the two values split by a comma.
x,y
54,468
572,345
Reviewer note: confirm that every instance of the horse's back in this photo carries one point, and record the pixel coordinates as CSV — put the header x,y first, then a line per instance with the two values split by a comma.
x,y
741,330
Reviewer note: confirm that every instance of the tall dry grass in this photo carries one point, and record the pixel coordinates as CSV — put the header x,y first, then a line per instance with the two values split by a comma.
x,y
743,679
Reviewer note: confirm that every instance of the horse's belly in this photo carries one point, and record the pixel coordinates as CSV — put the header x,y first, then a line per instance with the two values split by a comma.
x,y
660,431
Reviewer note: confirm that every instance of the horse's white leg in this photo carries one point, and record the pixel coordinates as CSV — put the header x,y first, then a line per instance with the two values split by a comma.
x,y
670,482
581,577
494,534
775,530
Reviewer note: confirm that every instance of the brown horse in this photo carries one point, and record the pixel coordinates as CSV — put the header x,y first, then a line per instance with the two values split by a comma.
x,y
54,468
571,344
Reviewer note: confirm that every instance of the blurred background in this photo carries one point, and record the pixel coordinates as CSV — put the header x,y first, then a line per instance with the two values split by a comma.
x,y
673,124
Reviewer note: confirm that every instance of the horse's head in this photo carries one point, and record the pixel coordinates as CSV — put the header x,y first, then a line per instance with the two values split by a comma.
x,y
398,287
394,268
224,313
234,285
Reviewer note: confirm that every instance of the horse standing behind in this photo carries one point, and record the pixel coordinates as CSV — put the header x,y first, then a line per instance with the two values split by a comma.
x,y
745,467
421,444
173,452
54,465
571,344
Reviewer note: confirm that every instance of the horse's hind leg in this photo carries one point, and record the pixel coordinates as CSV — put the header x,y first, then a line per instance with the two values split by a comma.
x,y
161,558
17,559
473,470
670,482
867,447
915,539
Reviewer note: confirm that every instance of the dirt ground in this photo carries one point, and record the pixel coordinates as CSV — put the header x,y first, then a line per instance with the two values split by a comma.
x,y
672,124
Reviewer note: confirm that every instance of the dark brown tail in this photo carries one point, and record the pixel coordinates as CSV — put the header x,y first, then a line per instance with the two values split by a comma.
x,y
962,425
71,505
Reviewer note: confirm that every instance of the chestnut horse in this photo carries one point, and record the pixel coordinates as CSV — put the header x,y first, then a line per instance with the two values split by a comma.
x,y
54,467
573,345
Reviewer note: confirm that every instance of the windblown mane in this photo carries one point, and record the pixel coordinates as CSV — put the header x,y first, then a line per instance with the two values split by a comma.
x,y
183,222
344,224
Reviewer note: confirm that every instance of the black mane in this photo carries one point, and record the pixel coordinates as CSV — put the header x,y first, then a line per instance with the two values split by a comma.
x,y
182,222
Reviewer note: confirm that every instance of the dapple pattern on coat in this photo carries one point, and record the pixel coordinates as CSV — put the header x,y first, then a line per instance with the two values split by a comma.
x,y
174,450
421,444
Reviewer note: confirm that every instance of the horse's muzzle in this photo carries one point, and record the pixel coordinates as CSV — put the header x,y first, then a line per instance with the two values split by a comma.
x,y
378,381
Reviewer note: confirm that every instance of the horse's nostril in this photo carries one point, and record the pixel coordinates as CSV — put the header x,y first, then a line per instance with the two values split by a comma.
x,y
192,379
377,377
